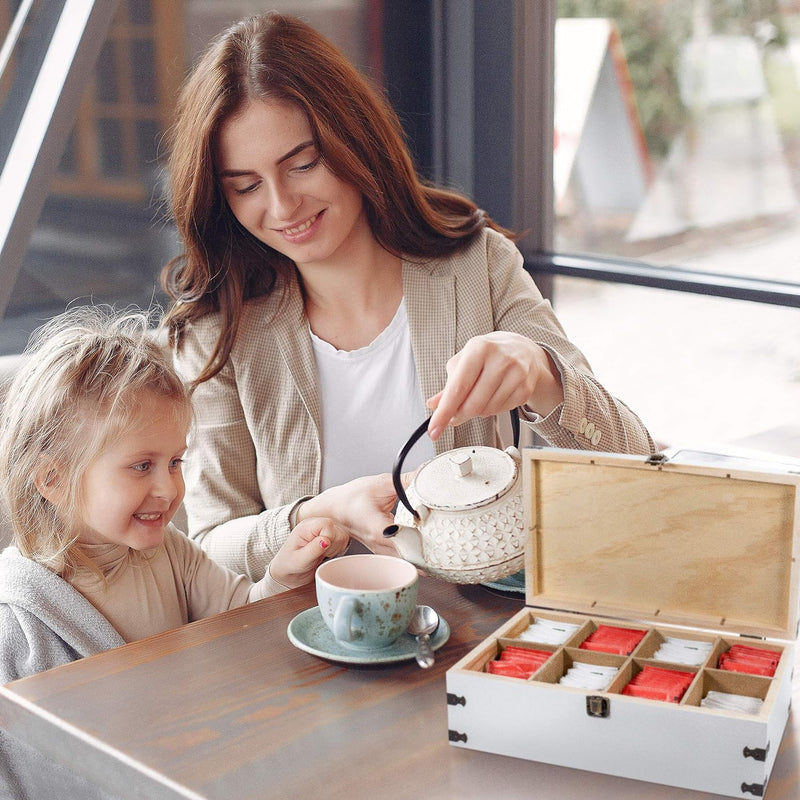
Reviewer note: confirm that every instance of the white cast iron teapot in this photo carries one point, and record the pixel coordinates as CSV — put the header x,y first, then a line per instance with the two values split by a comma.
x,y
462,519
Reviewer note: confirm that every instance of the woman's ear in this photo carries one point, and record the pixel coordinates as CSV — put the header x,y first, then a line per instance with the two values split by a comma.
x,y
48,481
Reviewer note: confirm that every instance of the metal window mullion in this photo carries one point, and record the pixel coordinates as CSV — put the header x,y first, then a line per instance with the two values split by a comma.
x,y
44,128
534,81
678,279
12,37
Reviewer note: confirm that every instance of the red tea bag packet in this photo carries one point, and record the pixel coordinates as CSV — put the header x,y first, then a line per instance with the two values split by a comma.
x,y
656,683
517,662
753,660
611,639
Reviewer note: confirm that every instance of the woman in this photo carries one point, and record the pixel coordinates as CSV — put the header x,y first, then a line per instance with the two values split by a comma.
x,y
326,295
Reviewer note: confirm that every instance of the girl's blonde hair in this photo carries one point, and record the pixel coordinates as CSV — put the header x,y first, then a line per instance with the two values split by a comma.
x,y
79,387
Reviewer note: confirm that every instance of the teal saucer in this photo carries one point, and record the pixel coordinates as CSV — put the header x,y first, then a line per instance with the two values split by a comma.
x,y
512,583
308,632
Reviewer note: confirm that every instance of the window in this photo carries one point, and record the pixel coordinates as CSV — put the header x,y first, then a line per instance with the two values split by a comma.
x,y
676,143
44,61
113,151
89,223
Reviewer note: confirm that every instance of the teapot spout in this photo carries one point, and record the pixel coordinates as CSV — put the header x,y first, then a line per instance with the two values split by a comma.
x,y
408,542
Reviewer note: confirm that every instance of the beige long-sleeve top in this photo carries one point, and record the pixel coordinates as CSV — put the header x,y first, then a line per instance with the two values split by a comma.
x,y
257,449
151,591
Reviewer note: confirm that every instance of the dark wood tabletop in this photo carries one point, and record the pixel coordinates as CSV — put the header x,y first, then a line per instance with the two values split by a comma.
x,y
228,708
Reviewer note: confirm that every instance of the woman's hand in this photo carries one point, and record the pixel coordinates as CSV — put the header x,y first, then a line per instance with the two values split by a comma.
x,y
363,505
309,543
494,373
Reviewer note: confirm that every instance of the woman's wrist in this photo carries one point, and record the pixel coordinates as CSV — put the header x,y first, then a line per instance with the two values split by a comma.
x,y
550,389
294,514
329,503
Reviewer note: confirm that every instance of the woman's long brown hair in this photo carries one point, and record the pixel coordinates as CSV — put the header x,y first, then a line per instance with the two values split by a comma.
x,y
359,136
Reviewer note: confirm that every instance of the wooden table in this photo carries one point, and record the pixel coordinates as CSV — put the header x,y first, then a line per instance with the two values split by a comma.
x,y
227,708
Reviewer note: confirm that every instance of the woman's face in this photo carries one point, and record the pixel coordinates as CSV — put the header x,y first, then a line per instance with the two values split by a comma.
x,y
279,188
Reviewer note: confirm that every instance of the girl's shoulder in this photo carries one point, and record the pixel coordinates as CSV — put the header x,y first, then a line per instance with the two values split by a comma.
x,y
178,543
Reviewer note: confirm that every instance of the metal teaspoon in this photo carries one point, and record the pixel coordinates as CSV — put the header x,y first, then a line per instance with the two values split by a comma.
x,y
424,622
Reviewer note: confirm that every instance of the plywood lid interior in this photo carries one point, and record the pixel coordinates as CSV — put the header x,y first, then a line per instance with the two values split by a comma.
x,y
615,536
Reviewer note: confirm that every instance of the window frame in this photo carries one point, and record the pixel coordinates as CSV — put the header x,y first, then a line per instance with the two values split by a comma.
x,y
524,48
46,122
535,77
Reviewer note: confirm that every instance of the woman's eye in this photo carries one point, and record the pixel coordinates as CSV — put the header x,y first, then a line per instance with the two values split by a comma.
x,y
246,189
309,166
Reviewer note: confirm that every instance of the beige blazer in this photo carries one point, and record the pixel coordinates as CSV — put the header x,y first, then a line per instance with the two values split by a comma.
x,y
256,447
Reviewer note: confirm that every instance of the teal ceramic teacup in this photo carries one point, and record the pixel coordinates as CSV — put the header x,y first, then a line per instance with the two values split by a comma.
x,y
366,600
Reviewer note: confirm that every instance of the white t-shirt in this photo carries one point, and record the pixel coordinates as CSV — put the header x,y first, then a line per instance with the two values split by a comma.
x,y
371,404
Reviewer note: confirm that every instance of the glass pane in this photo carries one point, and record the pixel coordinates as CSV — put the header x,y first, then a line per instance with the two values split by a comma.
x,y
109,136
147,136
678,125
25,60
140,12
68,164
106,82
678,142
700,371
143,64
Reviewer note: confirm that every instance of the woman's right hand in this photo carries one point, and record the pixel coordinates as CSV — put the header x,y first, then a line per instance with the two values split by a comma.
x,y
363,505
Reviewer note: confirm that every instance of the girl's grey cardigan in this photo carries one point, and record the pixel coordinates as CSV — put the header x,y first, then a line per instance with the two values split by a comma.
x,y
44,622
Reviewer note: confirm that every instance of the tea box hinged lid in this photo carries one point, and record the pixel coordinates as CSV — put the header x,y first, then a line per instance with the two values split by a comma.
x,y
707,543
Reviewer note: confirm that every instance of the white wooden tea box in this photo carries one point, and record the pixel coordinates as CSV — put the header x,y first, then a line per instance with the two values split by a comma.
x,y
703,552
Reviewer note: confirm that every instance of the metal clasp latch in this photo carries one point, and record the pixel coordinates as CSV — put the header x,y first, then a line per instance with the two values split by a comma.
x,y
758,753
597,705
455,700
656,459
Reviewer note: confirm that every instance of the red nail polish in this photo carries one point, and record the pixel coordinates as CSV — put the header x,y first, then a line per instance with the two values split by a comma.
x,y
323,544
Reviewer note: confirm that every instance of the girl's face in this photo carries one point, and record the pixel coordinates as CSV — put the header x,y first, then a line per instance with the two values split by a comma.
x,y
133,488
278,187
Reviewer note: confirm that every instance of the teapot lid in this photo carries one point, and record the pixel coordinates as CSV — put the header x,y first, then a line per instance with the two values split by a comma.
x,y
467,477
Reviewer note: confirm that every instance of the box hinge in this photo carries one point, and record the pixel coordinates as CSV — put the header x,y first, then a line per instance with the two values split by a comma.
x,y
758,753
598,706
455,736
455,700
756,789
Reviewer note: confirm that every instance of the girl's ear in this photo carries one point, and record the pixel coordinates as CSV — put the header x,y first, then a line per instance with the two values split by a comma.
x,y
48,481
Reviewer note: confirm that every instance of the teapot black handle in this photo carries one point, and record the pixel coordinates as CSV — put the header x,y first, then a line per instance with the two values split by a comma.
x,y
413,439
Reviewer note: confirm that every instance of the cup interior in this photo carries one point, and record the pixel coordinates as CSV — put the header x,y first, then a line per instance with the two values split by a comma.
x,y
367,572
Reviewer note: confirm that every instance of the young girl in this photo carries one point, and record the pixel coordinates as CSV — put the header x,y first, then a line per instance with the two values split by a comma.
x,y
93,435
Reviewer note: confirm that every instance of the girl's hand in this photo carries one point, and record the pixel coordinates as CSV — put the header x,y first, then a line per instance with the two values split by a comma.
x,y
364,506
494,373
309,544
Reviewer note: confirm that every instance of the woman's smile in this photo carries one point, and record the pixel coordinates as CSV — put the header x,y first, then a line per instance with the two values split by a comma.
x,y
295,232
